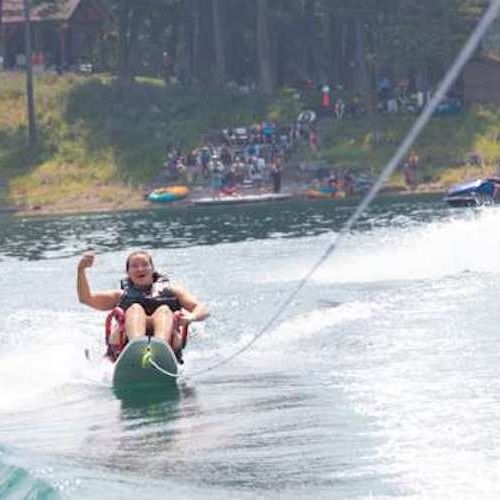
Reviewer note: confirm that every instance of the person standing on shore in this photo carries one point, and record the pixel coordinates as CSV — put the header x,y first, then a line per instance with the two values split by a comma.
x,y
313,140
276,175
166,67
410,170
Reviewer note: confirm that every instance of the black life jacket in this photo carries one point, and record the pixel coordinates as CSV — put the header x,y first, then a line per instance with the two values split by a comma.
x,y
150,298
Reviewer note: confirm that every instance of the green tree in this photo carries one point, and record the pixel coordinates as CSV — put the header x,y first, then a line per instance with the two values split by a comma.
x,y
218,12
276,41
264,49
30,95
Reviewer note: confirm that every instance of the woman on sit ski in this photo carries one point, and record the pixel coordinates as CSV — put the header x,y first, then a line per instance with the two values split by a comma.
x,y
148,299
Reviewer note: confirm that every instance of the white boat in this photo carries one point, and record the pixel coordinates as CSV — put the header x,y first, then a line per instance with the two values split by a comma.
x,y
475,193
240,199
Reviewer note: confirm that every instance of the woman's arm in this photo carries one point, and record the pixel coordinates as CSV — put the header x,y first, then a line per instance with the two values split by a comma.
x,y
104,301
196,311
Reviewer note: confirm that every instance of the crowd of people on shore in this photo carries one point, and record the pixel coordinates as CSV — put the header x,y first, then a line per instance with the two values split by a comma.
x,y
254,157
241,158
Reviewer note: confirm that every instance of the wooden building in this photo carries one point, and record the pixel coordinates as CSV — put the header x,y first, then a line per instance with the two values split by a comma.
x,y
65,33
481,79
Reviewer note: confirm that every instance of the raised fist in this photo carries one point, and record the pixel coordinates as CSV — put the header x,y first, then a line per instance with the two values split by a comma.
x,y
87,260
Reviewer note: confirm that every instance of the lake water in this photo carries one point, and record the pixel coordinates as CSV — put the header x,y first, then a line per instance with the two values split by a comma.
x,y
381,380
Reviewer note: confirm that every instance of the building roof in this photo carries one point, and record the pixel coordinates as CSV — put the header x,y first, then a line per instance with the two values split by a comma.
x,y
62,10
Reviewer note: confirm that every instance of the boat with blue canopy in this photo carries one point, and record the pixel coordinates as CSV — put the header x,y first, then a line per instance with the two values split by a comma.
x,y
474,193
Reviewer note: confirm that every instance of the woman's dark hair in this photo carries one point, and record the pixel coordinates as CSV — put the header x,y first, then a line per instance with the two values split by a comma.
x,y
138,252
156,275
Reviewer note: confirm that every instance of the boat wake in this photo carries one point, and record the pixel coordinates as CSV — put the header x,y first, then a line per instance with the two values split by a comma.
x,y
464,242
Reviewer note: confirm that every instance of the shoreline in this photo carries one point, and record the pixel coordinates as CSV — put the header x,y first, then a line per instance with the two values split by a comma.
x,y
70,207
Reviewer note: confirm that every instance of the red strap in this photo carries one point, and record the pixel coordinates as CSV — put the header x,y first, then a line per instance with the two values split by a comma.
x,y
118,315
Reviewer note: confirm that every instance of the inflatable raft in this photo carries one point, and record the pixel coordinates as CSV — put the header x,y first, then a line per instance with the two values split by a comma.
x,y
169,193
324,193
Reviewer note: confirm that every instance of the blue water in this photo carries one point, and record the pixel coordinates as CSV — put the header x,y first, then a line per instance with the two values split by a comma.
x,y
381,380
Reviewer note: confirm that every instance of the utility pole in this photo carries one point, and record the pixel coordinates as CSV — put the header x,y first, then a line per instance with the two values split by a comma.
x,y
29,78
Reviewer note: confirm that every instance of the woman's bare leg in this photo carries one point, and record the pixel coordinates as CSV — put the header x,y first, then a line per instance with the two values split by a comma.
x,y
162,321
135,321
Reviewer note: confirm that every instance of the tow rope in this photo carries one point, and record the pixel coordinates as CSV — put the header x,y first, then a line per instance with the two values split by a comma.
x,y
451,75
148,360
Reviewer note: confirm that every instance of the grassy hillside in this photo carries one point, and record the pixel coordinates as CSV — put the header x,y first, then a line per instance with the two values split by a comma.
x,y
443,148
99,143
99,140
